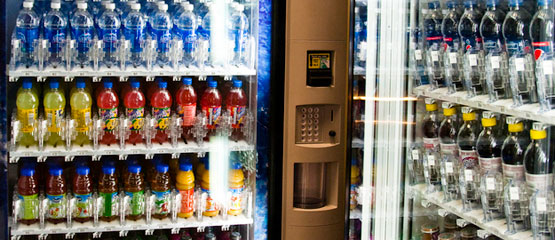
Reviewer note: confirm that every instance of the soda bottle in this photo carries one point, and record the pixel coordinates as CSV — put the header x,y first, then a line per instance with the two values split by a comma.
x,y
109,25
452,44
211,106
430,126
56,190
27,32
466,138
152,87
82,191
236,105
27,192
55,30
161,191
54,106
82,26
354,184
161,27
27,110
469,30
151,168
494,48
434,43
134,25
359,38
186,99
238,34
185,26
537,159
134,188
541,34
488,144
108,191
236,236
513,148
134,102
516,33
161,102
185,184
236,187
107,101
448,131
211,210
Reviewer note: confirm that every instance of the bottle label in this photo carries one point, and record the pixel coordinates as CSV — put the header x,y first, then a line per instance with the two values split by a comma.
x,y
136,118
83,205
210,204
237,115
213,114
492,45
137,202
449,149
187,113
539,181
109,204
353,196
109,38
189,39
469,158
162,116
109,117
161,202
27,38
84,37
540,48
431,143
163,38
472,44
30,208
56,208
513,171
490,164
517,48
52,117
83,118
236,199
136,37
56,38
187,200
27,118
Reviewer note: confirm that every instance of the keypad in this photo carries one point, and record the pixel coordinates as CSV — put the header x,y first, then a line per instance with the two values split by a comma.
x,y
309,128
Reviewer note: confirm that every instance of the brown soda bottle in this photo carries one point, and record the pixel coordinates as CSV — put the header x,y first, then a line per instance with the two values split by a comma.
x,y
430,126
448,130
134,188
108,190
56,190
161,191
82,191
27,191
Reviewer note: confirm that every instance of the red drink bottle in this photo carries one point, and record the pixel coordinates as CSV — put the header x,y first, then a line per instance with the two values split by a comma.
x,y
211,104
107,101
236,105
134,102
186,99
161,102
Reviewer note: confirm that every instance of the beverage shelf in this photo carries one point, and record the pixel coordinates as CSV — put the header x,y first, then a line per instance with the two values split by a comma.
x,y
497,227
139,149
155,224
504,106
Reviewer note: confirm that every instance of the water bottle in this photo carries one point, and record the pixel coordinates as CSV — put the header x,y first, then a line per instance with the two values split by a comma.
x,y
109,25
541,33
82,27
150,15
55,27
126,8
174,8
161,28
453,52
186,26
521,71
238,34
27,31
134,26
360,39
204,42
434,44
202,8
469,30
494,48
67,8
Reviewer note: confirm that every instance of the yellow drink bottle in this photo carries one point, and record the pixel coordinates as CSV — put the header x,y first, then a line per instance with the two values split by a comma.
x,y
236,187
185,184
27,109
81,103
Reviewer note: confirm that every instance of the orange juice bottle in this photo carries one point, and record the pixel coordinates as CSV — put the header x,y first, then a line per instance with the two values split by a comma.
x,y
185,184
236,187
211,210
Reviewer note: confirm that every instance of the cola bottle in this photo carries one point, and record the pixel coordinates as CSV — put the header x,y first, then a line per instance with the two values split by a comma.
x,y
430,126
448,130
466,138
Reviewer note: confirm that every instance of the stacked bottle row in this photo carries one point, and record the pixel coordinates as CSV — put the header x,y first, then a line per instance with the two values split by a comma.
x,y
504,169
136,190
449,229
502,53
128,33
130,117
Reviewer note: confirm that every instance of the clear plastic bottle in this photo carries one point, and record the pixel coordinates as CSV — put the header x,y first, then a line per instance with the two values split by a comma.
x,y
109,25
54,109
27,31
469,30
161,27
134,30
239,36
205,38
186,25
434,43
453,52
542,35
82,25
55,30
27,102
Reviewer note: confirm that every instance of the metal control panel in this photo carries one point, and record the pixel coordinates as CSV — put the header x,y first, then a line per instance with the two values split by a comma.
x,y
316,124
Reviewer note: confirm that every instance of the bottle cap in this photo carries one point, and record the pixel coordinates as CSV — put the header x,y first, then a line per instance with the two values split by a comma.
x,y
83,170
108,169
236,165
433,5
27,85
515,3
543,3
54,85
110,6
538,131
515,124
448,109
135,84
188,7
186,166
108,84
162,168
237,83
206,164
470,3
212,84
468,113
55,171
133,168
492,3
28,4
136,6
162,84
235,236
163,7
187,81
431,104
27,172
451,4
488,119
55,5
80,84
82,5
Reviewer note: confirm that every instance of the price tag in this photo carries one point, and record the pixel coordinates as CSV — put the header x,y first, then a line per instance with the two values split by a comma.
x,y
468,175
431,160
495,62
448,167
418,54
514,194
547,67
426,174
435,56
519,64
490,184
453,57
473,60
541,204
415,155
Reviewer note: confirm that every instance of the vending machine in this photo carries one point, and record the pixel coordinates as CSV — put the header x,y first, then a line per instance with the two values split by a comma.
x,y
452,120
135,119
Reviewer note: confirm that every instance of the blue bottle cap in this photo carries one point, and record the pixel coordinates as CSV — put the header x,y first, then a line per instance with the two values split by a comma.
x,y
187,81
492,3
237,83
354,162
207,165
470,3
162,168
134,168
83,170
27,172
514,3
54,84
433,5
184,158
450,4
162,84
212,84
27,85
236,165
108,169
80,84
108,84
55,171
543,3
186,166
135,84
